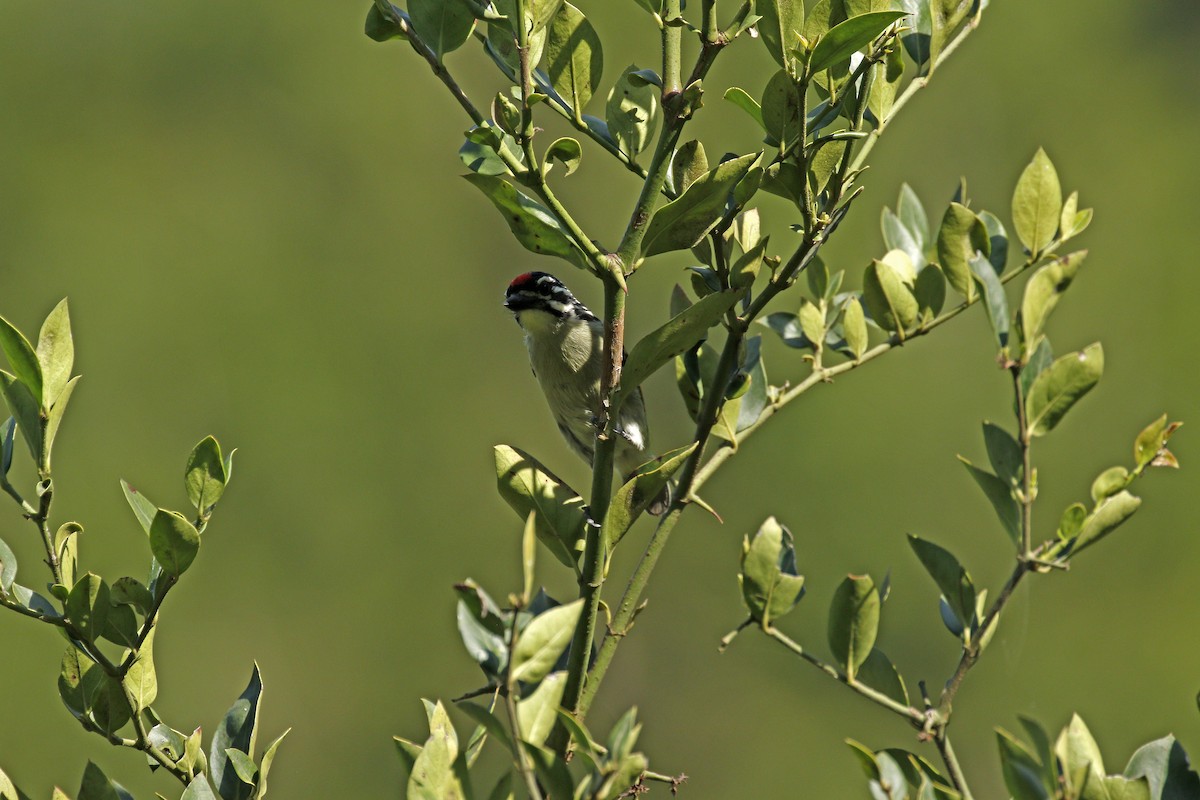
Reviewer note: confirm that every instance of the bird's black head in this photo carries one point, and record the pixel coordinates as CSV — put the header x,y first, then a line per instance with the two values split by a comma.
x,y
541,291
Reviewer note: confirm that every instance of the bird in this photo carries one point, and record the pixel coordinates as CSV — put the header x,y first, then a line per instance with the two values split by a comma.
x,y
566,353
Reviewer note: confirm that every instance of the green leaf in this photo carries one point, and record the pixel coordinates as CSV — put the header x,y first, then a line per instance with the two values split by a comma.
x,y
7,432
1109,482
888,298
174,541
1042,293
141,680
1000,494
1037,204
1109,514
574,59
537,713
54,419
1164,765
204,477
24,360
1056,390
433,776
1151,443
89,693
1004,453
930,291
1079,752
530,222
742,99
854,328
847,38
771,585
243,765
382,27
55,353
897,236
1023,773
912,214
8,568
238,731
199,789
961,235
97,786
480,155
8,791
639,492
997,239
952,580
444,25
812,322
945,16
687,219
854,622
543,641
878,672
23,407
888,75
781,108
780,27
88,605
676,336
143,509
482,629
551,771
630,112
502,40
995,301
528,486
824,162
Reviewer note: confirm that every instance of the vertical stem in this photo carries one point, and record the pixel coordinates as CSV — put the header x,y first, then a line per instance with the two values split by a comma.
x,y
1026,443
672,40
953,768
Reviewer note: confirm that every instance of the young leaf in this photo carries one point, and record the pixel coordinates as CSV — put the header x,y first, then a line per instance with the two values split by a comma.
x,y
527,487
143,509
849,37
433,776
141,680
543,641
23,407
1042,294
854,622
1110,514
1056,390
771,585
574,59
897,236
1037,204
174,541
961,235
688,218
530,222
912,214
204,477
742,99
55,353
238,731
54,418
444,25
23,359
537,713
678,335
854,328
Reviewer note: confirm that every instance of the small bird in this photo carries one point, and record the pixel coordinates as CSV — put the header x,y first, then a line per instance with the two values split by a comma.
x,y
566,352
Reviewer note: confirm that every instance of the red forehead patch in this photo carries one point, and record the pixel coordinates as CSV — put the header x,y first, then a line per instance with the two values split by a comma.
x,y
520,280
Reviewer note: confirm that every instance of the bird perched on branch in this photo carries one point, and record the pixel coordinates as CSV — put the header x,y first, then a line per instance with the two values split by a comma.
x,y
566,352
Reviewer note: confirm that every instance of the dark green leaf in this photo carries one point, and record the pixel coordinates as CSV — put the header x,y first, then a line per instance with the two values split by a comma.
x,y
444,25
1164,765
89,693
528,486
7,432
97,786
780,27
574,59
174,541
678,335
853,622
88,605
1037,203
543,641
531,223
930,291
1004,453
781,108
1000,495
685,220
961,235
687,165
1056,390
880,674
23,358
997,239
205,476
888,75
952,580
1023,773
824,162
850,36
238,730
23,407
945,17
551,771
8,567
381,27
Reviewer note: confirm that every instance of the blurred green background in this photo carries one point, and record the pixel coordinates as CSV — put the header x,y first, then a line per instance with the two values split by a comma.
x,y
257,216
